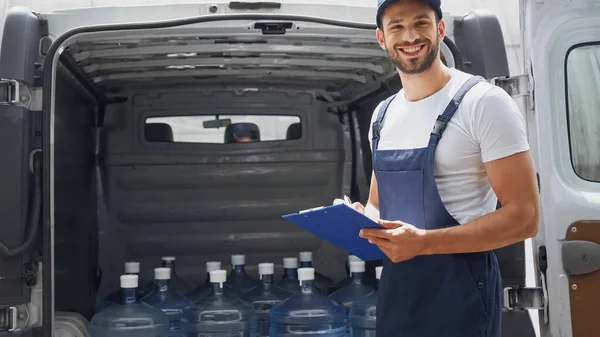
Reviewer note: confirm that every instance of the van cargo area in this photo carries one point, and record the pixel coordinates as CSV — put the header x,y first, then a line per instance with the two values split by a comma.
x,y
156,170
143,158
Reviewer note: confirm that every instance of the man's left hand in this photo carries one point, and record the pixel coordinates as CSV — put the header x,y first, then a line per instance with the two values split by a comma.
x,y
399,241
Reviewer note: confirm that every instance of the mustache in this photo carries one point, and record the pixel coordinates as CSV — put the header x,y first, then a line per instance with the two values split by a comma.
x,y
409,44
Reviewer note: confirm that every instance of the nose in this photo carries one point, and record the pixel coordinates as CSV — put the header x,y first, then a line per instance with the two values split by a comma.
x,y
410,35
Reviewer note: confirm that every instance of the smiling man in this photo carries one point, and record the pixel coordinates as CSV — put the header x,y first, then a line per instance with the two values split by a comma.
x,y
445,148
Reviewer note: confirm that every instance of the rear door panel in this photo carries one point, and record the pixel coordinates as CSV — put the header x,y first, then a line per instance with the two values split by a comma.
x,y
18,138
562,45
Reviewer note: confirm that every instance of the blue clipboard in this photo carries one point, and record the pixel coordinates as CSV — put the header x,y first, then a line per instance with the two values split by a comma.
x,y
339,225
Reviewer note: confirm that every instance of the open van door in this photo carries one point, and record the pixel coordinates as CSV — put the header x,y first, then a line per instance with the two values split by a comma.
x,y
562,55
20,172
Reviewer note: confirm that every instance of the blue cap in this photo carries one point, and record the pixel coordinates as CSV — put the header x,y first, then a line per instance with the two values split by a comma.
x,y
436,5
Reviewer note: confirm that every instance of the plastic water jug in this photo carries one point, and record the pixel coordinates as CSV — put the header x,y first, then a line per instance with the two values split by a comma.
x,y
177,283
204,290
308,313
220,314
345,282
238,281
356,289
171,303
130,318
322,282
263,297
289,281
362,314
131,268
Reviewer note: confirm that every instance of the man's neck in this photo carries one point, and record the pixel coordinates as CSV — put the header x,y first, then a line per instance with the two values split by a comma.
x,y
420,86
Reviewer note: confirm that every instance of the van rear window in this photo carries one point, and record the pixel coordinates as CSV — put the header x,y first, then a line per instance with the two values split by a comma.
x,y
583,105
222,129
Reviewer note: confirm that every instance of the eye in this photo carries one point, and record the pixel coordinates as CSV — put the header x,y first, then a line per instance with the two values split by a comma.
x,y
421,23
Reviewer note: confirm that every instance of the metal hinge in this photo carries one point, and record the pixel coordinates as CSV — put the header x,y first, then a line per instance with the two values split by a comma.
x,y
515,86
12,92
523,298
8,319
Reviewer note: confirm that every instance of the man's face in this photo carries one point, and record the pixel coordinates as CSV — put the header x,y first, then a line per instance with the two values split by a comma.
x,y
410,35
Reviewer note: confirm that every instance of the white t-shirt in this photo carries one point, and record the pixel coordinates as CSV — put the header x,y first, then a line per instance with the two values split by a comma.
x,y
487,126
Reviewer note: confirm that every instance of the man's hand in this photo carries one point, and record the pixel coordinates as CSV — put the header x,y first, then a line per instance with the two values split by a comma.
x,y
399,241
358,207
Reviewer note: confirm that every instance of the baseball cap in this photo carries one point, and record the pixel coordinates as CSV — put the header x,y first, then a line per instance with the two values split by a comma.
x,y
436,5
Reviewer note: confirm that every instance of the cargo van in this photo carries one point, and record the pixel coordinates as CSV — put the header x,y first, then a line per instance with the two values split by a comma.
x,y
130,133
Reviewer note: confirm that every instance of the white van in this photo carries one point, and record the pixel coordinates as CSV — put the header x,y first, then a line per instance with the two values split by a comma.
x,y
117,144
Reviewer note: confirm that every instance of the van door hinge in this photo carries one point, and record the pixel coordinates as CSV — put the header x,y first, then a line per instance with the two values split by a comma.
x,y
515,86
523,298
8,319
13,92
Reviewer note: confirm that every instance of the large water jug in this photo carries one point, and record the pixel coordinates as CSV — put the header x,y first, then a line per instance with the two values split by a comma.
x,y
204,290
130,318
220,314
171,303
263,297
322,282
308,313
131,268
238,281
177,283
289,281
345,282
356,290
362,316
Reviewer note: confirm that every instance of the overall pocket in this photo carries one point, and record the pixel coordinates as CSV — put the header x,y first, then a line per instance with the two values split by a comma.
x,y
401,196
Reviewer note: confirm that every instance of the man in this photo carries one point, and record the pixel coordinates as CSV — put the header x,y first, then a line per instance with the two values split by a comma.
x,y
445,149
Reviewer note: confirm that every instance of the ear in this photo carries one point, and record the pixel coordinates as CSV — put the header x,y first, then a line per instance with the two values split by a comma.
x,y
441,30
380,38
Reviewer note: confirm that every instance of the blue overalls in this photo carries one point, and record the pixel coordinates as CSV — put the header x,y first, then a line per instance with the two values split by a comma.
x,y
453,295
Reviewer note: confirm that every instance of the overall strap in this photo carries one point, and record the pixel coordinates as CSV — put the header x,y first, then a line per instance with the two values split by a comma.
x,y
379,122
444,118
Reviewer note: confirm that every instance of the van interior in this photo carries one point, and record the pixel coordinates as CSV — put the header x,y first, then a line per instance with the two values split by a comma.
x,y
193,140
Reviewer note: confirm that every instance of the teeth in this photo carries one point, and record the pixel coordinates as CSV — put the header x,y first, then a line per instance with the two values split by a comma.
x,y
411,50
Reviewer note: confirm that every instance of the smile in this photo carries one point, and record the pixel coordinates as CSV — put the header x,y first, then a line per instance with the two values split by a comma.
x,y
412,51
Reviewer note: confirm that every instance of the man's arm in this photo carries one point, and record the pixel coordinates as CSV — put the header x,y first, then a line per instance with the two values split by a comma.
x,y
514,181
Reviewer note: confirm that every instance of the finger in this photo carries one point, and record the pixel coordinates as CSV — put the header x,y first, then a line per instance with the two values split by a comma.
x,y
357,206
383,244
390,224
378,233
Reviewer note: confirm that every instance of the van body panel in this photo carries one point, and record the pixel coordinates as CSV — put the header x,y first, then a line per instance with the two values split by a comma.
x,y
553,30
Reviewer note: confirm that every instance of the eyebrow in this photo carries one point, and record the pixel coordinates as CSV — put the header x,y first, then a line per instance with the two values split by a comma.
x,y
418,17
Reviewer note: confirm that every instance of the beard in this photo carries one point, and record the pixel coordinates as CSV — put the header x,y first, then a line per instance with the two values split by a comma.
x,y
415,65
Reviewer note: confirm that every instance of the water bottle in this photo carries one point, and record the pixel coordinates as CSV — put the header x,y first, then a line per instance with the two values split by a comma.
x,y
204,290
356,289
129,318
322,282
289,281
131,268
263,297
307,312
171,303
362,314
220,314
238,281
345,282
177,283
